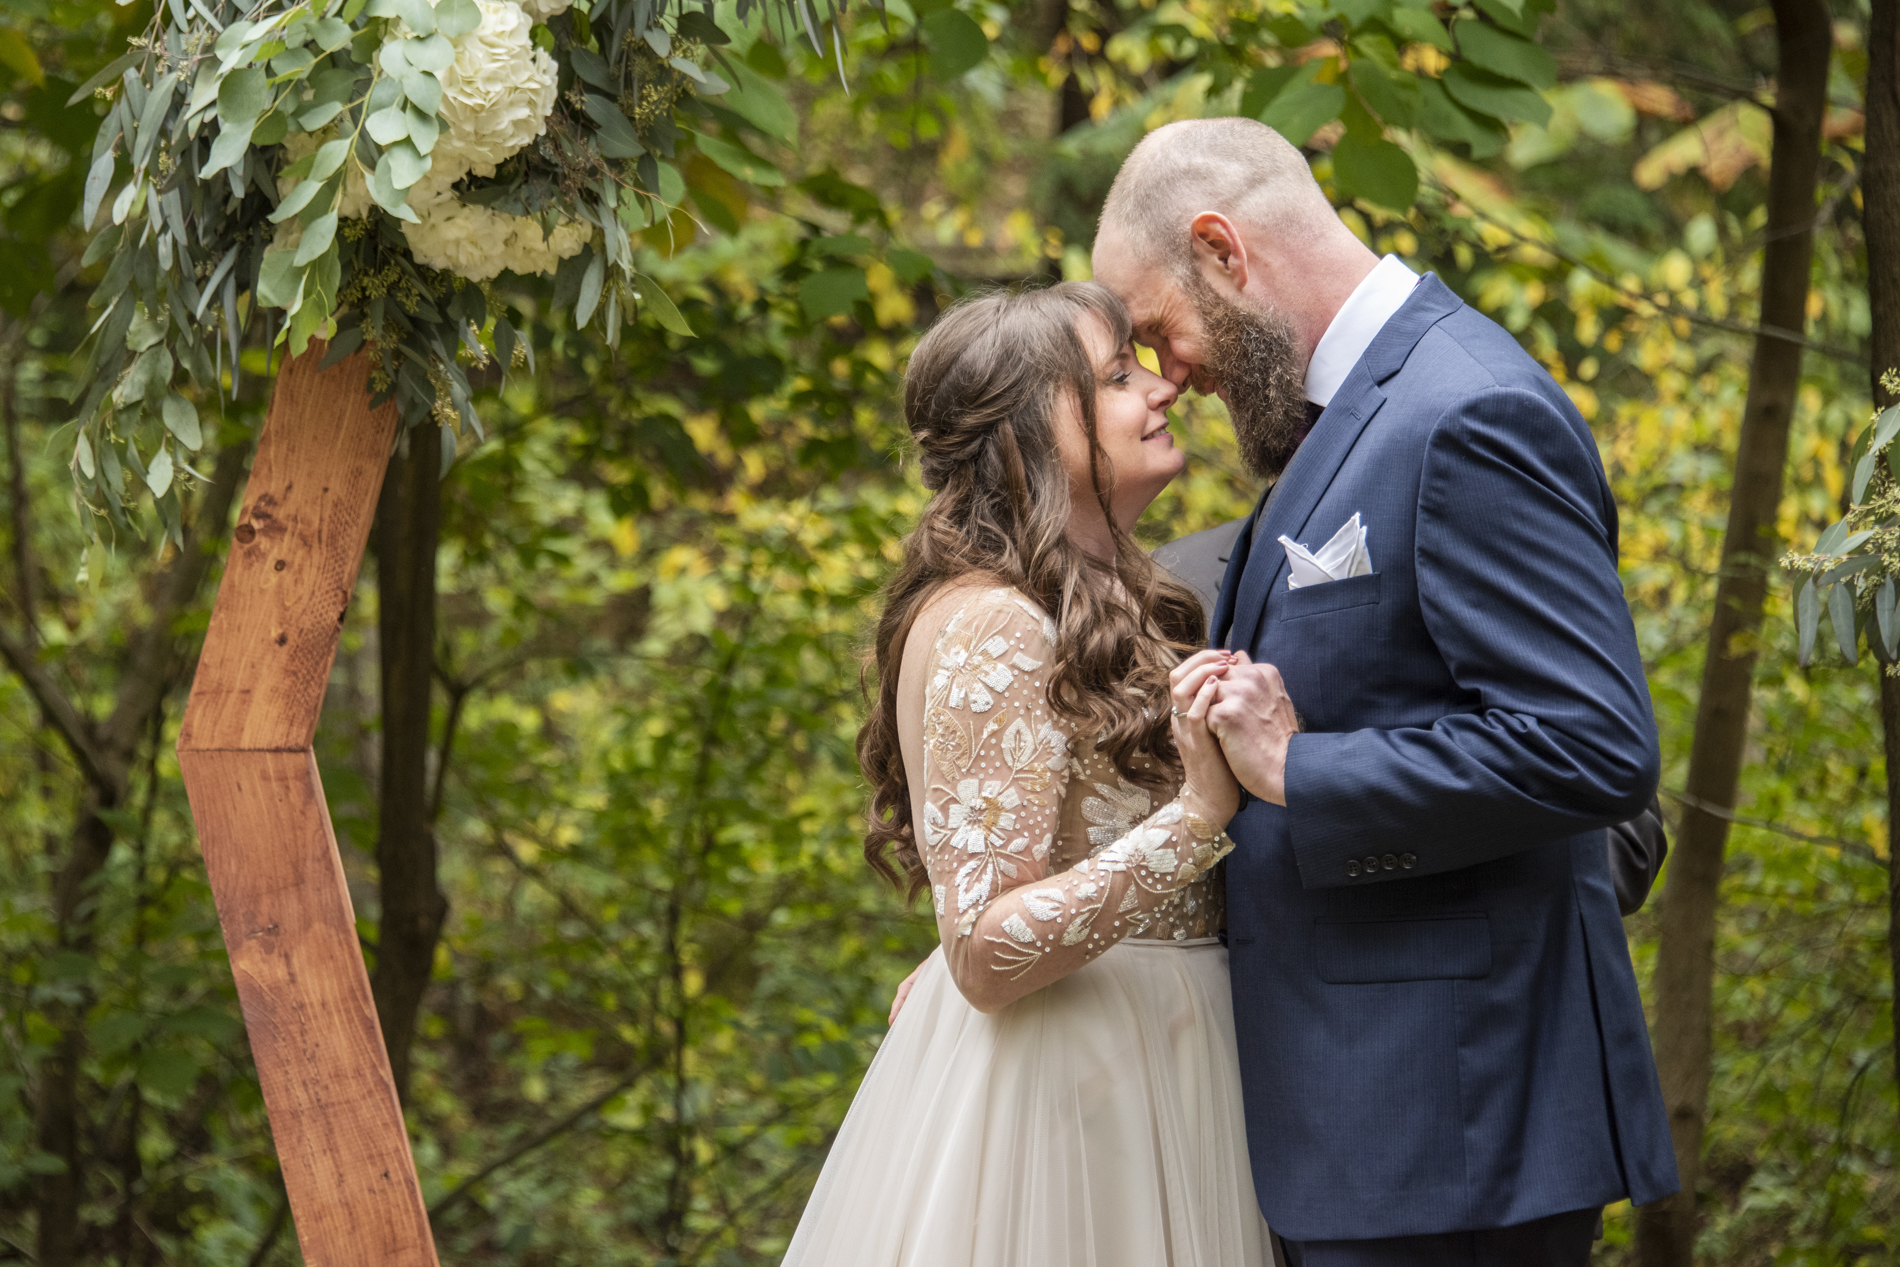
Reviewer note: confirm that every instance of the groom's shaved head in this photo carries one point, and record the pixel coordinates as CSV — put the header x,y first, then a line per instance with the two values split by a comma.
x,y
1240,168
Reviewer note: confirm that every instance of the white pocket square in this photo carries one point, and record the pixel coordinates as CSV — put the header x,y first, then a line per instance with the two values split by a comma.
x,y
1345,555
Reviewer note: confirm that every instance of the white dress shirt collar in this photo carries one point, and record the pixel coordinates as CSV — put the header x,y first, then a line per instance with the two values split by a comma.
x,y
1382,292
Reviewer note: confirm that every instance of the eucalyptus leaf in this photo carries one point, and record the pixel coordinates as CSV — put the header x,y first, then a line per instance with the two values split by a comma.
x,y
1840,610
297,200
317,237
319,114
423,129
434,54
122,205
204,89
217,277
394,59
232,38
278,278
158,476
592,68
152,118
455,18
328,158
105,75
387,126
407,164
615,135
243,96
387,195
417,15
331,33
1887,617
687,68
98,181
82,454
271,129
230,146
181,419
589,298
1807,619
424,90
1864,473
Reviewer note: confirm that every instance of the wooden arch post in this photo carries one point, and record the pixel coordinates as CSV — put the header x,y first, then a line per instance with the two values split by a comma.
x,y
249,771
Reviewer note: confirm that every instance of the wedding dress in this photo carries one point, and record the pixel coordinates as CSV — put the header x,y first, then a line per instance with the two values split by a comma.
x,y
1095,1122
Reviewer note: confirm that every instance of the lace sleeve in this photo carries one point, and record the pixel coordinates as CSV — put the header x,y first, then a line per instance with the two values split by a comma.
x,y
995,773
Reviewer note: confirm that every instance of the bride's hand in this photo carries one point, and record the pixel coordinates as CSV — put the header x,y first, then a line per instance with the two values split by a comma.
x,y
1210,788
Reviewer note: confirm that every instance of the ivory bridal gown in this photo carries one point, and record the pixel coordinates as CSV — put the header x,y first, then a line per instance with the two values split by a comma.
x,y
1095,1122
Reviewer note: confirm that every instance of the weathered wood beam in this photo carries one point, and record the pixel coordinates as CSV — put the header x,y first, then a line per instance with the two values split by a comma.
x,y
245,752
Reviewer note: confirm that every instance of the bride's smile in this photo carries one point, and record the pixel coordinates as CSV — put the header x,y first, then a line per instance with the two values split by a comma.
x,y
1131,434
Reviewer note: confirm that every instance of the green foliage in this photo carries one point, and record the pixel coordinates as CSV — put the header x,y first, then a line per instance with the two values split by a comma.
x,y
1854,569
658,565
319,120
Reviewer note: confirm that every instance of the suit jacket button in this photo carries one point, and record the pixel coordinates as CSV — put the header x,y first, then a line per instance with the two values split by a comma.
x,y
1372,863
1389,862
1352,867
1408,861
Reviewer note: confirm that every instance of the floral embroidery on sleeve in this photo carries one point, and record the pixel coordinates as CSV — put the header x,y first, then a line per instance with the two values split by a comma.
x,y
997,766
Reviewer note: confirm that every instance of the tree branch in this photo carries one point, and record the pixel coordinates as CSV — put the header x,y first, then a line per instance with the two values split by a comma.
x,y
459,1193
1859,849
1636,303
73,726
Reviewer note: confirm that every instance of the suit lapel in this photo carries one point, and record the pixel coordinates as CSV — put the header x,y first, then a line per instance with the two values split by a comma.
x,y
1236,567
1318,460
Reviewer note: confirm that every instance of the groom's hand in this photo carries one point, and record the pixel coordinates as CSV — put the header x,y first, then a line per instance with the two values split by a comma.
x,y
1254,720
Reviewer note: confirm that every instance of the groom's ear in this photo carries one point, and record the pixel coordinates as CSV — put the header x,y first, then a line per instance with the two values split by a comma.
x,y
1218,247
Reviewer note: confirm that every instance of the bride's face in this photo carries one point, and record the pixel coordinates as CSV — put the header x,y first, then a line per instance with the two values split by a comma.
x,y
1131,425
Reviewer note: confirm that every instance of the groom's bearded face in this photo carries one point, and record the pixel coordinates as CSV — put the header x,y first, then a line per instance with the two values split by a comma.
x,y
1254,357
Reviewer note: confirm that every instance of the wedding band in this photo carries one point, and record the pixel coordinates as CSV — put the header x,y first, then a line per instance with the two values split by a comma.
x,y
1179,713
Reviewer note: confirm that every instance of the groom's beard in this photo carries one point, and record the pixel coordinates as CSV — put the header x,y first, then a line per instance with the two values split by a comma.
x,y
1256,360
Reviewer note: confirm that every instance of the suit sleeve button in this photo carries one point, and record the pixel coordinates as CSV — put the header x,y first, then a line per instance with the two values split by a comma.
x,y
1372,863
1352,867
1389,861
1408,861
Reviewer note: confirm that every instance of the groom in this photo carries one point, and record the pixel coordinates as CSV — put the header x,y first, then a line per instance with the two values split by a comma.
x,y
1442,1047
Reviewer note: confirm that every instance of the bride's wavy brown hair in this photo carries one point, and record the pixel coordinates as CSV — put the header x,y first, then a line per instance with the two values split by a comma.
x,y
982,395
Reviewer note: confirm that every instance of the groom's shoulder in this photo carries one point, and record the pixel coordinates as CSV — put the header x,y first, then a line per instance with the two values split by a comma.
x,y
1467,354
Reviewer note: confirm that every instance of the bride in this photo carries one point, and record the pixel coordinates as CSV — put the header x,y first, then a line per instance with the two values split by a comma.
x,y
1061,1089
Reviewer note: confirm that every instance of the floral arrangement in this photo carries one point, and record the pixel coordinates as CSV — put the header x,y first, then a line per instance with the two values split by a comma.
x,y
362,170
1854,571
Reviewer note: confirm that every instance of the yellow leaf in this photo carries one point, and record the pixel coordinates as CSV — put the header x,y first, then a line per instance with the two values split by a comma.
x,y
18,56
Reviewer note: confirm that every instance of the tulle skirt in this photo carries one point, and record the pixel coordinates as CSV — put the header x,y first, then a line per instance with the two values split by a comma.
x,y
1094,1123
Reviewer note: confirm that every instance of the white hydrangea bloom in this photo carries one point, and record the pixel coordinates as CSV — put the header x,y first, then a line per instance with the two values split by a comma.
x,y
466,240
497,93
532,251
479,242
542,10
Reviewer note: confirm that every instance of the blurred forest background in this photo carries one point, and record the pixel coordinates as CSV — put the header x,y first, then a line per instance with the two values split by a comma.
x,y
629,961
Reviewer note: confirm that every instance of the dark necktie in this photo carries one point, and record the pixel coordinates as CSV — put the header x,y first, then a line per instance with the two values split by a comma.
x,y
1313,410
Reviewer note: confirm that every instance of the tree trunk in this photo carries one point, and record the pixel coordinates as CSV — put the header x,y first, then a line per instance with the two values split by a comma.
x,y
1880,197
1685,962
104,752
408,523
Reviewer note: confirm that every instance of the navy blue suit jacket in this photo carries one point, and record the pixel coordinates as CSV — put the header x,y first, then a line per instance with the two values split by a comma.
x,y
1439,1026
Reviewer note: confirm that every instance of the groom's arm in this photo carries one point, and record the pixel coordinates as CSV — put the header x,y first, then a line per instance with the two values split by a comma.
x,y
1516,566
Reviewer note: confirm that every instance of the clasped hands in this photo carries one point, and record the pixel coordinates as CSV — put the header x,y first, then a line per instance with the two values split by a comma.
x,y
1246,708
